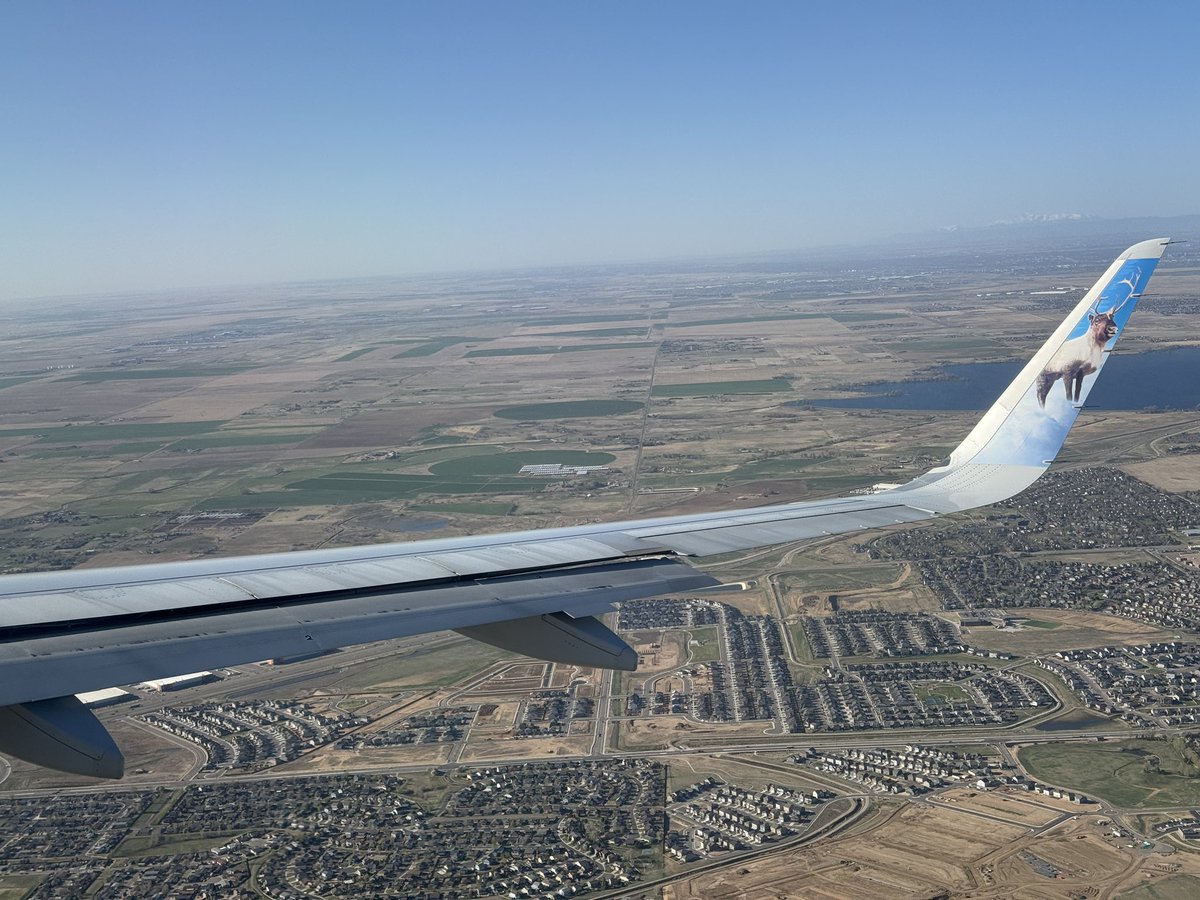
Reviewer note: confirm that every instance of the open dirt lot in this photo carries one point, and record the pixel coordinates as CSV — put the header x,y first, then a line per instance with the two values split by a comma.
x,y
661,731
1178,472
1015,808
659,651
488,747
925,853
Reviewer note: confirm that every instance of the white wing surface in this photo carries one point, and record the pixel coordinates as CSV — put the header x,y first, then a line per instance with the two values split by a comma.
x,y
534,592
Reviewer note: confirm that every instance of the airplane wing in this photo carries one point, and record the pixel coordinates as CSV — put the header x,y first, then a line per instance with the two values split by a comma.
x,y
533,592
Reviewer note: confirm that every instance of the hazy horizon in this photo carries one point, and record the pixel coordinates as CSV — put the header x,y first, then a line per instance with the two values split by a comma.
x,y
169,147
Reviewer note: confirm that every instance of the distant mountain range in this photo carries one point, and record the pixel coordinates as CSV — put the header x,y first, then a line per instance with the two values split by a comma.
x,y
1060,227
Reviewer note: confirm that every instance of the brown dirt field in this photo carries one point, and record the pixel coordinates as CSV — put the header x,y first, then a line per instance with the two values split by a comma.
x,y
530,748
924,852
228,397
1099,621
407,706
503,689
667,684
338,760
750,603
274,538
54,401
30,496
659,731
505,680
1178,472
901,600
503,716
1086,861
1013,807
564,674
394,427
669,654
516,674
687,770
144,748
916,853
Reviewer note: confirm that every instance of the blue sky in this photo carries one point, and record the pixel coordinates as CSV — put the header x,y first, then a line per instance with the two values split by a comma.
x,y
159,145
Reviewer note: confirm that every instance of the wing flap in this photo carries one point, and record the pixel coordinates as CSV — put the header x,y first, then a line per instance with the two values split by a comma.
x,y
800,523
79,595
74,657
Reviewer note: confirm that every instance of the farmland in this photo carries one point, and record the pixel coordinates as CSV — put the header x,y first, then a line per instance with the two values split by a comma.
x,y
568,409
708,388
179,427
333,419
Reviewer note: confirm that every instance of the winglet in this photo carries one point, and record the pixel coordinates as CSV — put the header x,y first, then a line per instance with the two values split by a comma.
x,y
1018,438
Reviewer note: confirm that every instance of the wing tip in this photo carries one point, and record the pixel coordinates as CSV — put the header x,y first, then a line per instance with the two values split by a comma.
x,y
1151,249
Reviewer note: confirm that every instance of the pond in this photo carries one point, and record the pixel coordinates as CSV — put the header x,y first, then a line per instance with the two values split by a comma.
x,y
1168,379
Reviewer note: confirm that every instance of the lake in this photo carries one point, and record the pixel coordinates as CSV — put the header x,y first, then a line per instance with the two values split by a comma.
x,y
1162,378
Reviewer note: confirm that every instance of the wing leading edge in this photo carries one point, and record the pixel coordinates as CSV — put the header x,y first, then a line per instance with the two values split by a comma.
x,y
536,592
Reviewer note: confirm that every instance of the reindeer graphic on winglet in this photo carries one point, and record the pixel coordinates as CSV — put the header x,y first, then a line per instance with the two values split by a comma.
x,y
1081,356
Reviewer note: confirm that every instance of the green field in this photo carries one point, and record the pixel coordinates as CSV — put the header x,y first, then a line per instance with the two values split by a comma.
x,y
78,453
15,380
1116,772
438,454
709,388
1177,887
434,345
355,354
138,374
804,651
133,431
443,439
849,317
708,650
170,845
556,348
134,448
843,578
777,467
18,887
939,693
567,409
510,463
823,483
